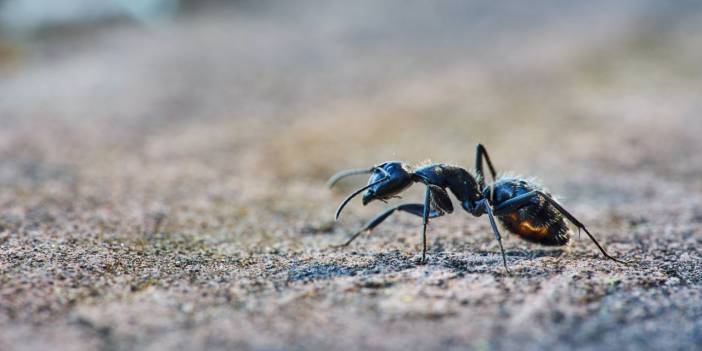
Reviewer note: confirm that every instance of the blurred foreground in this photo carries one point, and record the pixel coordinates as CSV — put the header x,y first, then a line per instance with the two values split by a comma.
x,y
162,184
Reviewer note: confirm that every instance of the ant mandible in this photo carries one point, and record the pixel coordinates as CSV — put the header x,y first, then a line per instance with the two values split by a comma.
x,y
524,207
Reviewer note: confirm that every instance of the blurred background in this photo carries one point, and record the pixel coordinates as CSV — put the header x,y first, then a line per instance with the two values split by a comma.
x,y
209,127
418,80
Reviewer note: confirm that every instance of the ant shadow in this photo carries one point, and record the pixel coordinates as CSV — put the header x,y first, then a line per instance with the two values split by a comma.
x,y
383,262
481,261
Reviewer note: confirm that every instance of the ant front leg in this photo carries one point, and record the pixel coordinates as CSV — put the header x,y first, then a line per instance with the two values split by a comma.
x,y
438,197
415,209
425,221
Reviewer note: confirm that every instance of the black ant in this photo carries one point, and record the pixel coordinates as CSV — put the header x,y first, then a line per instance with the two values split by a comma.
x,y
522,206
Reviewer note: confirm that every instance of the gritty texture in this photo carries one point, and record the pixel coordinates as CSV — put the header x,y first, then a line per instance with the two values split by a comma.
x,y
162,188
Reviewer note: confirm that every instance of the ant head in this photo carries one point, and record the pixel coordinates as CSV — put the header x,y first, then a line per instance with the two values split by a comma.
x,y
389,179
386,181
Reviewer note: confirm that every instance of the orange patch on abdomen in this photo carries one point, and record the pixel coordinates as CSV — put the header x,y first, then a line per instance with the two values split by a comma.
x,y
527,228
524,228
553,231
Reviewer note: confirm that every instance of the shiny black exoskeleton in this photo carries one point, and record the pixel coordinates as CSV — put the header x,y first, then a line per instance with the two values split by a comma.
x,y
522,206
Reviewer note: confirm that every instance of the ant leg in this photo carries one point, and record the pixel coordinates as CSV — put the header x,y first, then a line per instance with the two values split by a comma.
x,y
439,197
480,153
579,225
488,209
526,199
425,221
515,203
415,209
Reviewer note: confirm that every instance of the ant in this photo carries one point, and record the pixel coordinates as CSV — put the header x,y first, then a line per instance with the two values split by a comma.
x,y
524,207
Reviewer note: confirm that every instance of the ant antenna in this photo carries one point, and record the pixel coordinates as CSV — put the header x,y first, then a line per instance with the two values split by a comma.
x,y
351,172
347,173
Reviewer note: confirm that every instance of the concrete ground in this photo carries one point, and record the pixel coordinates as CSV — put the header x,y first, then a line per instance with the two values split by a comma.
x,y
162,186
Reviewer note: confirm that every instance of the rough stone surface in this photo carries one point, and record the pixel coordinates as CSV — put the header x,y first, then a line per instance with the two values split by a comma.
x,y
163,188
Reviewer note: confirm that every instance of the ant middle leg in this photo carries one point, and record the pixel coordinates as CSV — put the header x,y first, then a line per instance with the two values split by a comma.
x,y
491,216
480,154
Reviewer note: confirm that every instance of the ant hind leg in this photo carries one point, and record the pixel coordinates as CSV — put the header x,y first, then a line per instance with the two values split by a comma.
x,y
579,225
528,198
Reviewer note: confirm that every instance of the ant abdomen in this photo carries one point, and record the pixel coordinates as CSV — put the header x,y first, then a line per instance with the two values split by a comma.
x,y
538,222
